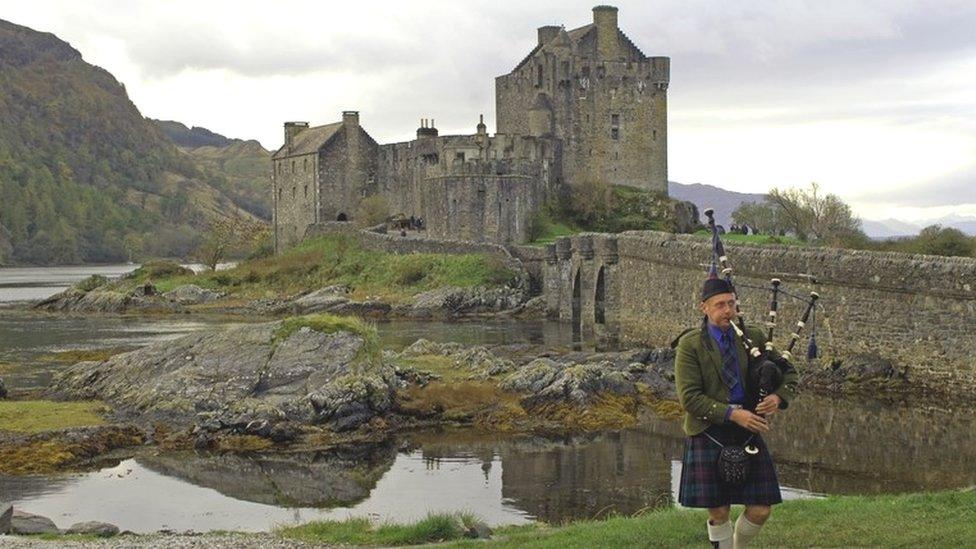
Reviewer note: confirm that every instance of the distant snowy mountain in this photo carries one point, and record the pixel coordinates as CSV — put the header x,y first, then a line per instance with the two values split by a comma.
x,y
892,228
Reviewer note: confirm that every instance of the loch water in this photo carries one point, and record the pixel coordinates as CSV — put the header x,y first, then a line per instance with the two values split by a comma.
x,y
821,446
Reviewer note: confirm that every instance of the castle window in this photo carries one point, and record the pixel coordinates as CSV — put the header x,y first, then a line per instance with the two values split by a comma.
x,y
565,69
459,157
305,167
279,189
292,166
293,192
615,133
538,76
306,191
586,72
654,135
615,119
614,126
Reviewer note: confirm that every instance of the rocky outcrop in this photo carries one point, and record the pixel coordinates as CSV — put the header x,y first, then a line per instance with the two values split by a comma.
x,y
191,294
103,300
332,299
6,515
27,524
478,362
579,378
93,528
451,301
245,378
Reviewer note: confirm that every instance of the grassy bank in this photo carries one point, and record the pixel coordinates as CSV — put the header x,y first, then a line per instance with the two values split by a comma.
x,y
943,519
758,239
340,260
35,416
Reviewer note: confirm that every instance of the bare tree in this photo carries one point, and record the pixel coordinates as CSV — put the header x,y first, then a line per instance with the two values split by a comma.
x,y
226,236
812,215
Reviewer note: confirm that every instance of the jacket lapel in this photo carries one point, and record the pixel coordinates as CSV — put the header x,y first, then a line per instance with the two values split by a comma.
x,y
714,355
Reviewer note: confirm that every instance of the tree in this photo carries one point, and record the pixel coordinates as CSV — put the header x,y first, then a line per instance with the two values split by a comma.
x,y
761,216
372,211
227,236
590,200
811,215
936,240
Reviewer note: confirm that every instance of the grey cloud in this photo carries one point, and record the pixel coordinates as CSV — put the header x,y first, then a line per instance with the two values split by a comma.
x,y
951,190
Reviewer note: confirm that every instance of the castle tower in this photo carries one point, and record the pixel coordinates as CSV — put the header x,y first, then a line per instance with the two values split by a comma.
x,y
607,101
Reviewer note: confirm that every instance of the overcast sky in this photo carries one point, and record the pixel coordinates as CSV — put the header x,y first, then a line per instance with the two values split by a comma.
x,y
874,100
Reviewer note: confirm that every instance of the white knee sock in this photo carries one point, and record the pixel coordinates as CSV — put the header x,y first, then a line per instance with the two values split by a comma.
x,y
745,530
721,533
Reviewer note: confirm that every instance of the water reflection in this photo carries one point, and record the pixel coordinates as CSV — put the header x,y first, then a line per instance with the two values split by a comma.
x,y
821,446
841,446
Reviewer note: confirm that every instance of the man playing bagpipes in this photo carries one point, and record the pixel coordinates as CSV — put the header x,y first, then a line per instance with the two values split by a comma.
x,y
729,388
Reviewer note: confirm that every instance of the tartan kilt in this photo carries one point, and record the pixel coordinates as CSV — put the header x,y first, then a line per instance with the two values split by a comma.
x,y
701,485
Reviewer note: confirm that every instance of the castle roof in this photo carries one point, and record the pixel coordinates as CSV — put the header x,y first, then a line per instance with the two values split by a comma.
x,y
576,36
309,141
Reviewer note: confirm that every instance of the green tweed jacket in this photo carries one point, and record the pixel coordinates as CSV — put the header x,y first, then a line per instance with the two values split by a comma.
x,y
698,376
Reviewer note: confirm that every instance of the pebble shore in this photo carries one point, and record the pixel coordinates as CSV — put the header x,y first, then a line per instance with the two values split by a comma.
x,y
165,541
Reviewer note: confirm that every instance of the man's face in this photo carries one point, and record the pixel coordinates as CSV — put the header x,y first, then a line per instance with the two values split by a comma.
x,y
720,309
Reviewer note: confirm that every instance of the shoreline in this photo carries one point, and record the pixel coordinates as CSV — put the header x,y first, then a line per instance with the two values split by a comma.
x,y
933,519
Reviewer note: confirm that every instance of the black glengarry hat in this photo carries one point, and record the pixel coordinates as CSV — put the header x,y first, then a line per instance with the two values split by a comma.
x,y
715,286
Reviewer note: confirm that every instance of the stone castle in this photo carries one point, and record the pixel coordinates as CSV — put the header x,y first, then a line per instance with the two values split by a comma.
x,y
585,104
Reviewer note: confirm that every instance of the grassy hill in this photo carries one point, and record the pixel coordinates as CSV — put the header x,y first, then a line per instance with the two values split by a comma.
x,y
84,177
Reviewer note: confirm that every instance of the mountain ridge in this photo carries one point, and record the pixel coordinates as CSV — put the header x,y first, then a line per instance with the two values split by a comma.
x,y
84,177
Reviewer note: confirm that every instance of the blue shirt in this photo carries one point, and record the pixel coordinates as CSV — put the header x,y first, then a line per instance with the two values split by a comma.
x,y
737,395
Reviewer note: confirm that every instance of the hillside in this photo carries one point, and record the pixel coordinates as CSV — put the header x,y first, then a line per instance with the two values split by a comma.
x,y
83,176
708,196
183,136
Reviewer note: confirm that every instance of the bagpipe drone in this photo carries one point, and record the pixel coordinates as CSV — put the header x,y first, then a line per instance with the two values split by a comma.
x,y
766,366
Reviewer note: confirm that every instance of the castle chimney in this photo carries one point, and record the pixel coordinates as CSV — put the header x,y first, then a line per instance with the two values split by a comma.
x,y
607,45
426,128
482,129
547,33
350,118
292,129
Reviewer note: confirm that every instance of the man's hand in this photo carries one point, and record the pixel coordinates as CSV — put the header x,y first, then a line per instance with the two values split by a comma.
x,y
749,420
769,405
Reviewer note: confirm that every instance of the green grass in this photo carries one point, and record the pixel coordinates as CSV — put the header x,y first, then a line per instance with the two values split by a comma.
x,y
759,239
548,230
34,416
360,531
341,260
328,324
943,519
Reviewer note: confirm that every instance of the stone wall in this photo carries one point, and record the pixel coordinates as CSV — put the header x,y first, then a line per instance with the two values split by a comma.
x,y
917,311
347,173
295,196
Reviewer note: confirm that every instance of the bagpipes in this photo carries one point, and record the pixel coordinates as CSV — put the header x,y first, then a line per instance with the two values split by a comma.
x,y
765,370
